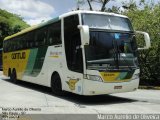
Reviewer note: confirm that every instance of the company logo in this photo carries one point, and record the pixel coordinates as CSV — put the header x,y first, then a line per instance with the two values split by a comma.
x,y
18,55
109,74
72,84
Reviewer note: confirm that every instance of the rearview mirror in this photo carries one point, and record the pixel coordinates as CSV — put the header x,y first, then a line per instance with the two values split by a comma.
x,y
147,40
84,34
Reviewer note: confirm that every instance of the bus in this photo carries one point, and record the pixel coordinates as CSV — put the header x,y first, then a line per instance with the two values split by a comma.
x,y
83,52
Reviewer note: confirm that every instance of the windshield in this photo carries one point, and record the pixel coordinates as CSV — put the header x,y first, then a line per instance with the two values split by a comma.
x,y
112,49
104,43
107,22
112,42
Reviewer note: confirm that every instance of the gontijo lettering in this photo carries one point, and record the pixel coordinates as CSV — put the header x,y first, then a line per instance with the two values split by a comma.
x,y
18,55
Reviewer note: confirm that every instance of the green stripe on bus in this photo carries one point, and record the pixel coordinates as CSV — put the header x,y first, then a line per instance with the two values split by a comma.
x,y
39,61
125,75
130,74
35,62
122,75
31,61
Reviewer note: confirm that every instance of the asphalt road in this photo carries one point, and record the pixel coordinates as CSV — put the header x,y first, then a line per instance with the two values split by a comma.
x,y
40,100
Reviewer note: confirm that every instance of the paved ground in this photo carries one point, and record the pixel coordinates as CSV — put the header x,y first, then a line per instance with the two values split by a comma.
x,y
39,99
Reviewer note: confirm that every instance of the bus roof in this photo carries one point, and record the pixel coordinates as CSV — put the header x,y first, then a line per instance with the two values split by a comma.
x,y
90,12
61,16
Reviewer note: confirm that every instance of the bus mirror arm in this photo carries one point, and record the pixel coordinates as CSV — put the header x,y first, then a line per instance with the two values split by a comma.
x,y
147,40
84,34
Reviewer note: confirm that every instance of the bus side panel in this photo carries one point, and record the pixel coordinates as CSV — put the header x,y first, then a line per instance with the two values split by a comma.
x,y
16,60
42,64
52,63
35,65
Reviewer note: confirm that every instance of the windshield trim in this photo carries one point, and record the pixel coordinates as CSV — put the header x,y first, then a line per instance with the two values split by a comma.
x,y
110,31
129,22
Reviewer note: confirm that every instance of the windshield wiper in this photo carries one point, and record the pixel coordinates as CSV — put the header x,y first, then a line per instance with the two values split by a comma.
x,y
124,59
116,55
101,61
134,51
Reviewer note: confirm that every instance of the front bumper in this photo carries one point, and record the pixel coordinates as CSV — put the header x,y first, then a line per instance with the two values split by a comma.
x,y
99,88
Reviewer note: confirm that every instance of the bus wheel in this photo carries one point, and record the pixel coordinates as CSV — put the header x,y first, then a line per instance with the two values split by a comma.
x,y
13,76
56,85
9,72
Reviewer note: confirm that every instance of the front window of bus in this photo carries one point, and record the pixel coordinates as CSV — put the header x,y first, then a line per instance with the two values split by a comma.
x,y
112,42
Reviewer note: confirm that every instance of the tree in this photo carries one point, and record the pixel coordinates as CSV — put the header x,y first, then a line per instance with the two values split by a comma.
x,y
10,24
5,29
114,9
146,17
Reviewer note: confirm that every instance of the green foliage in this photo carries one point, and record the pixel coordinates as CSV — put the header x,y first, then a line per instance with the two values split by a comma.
x,y
114,9
10,24
146,17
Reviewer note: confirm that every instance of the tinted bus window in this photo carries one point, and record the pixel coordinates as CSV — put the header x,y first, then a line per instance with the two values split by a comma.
x,y
41,36
54,34
72,41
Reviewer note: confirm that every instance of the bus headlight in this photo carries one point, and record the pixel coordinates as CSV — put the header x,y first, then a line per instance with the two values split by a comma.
x,y
94,78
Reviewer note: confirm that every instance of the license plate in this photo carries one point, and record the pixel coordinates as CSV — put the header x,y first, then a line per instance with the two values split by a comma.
x,y
117,87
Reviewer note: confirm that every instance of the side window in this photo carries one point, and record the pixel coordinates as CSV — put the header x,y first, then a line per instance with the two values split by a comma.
x,y
54,34
12,46
41,36
18,43
72,41
29,39
23,42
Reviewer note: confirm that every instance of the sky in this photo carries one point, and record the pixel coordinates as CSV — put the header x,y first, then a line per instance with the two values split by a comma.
x,y
37,11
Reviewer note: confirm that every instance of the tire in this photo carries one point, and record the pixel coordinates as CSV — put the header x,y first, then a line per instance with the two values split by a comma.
x,y
9,72
13,76
56,85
